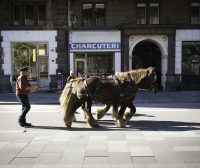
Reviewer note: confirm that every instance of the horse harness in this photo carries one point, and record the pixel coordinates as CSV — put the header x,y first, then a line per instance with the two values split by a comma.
x,y
123,90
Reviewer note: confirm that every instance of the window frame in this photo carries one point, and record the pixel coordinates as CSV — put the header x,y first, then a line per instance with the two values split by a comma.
x,y
145,4
158,12
93,16
193,4
23,15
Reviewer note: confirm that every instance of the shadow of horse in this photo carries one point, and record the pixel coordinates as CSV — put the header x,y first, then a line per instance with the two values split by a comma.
x,y
140,125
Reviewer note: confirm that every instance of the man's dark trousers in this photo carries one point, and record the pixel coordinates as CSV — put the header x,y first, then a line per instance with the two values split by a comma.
x,y
25,107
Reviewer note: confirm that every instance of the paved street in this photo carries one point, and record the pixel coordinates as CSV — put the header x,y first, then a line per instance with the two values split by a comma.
x,y
164,133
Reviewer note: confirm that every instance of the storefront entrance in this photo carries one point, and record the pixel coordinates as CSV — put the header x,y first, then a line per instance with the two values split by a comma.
x,y
147,54
35,56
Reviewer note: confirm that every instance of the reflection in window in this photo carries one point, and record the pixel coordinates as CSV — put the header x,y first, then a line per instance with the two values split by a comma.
x,y
141,13
191,58
87,14
29,14
195,13
96,63
100,63
27,54
24,54
100,14
154,13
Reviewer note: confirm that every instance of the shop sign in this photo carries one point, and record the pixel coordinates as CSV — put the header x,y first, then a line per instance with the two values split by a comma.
x,y
95,46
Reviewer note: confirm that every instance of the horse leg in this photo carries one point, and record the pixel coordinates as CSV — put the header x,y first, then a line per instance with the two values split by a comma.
x,y
102,112
68,118
120,121
90,119
115,112
129,115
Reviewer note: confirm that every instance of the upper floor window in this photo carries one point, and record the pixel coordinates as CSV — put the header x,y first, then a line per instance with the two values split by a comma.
x,y
154,13
29,14
93,14
195,13
141,13
147,13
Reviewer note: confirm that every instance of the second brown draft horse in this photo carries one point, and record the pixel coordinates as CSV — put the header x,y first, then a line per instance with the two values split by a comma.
x,y
120,92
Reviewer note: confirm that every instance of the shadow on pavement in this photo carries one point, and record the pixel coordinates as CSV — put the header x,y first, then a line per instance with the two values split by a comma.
x,y
142,125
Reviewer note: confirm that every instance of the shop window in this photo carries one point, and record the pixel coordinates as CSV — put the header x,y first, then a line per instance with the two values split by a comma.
x,y
94,63
191,58
154,13
195,13
29,14
141,13
93,14
31,54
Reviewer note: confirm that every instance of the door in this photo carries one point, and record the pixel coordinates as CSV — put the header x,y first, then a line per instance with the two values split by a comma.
x,y
80,67
43,71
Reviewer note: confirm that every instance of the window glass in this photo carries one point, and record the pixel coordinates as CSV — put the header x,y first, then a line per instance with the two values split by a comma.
x,y
100,63
42,49
100,14
87,14
154,13
141,13
41,14
191,58
29,14
17,15
195,13
24,54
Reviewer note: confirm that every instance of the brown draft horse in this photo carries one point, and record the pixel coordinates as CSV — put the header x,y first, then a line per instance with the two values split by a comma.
x,y
81,92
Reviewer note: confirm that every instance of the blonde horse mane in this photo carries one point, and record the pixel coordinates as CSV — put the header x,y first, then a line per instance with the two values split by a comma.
x,y
135,75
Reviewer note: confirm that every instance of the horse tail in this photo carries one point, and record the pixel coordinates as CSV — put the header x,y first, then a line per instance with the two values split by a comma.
x,y
64,97
102,112
67,100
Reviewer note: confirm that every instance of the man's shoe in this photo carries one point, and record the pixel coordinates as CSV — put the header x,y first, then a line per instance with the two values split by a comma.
x,y
25,124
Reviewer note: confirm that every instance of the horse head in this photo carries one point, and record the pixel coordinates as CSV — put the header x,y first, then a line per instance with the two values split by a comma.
x,y
151,80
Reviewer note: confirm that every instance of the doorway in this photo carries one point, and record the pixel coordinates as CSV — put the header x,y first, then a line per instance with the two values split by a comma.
x,y
80,67
147,54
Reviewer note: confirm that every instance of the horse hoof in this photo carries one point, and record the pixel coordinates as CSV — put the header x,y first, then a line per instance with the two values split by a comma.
x,y
69,126
120,124
94,125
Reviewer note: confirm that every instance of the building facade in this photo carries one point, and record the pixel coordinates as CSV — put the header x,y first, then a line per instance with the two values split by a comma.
x,y
98,37
33,33
164,34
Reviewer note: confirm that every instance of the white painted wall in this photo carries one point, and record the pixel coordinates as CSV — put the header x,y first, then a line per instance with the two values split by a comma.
x,y
162,42
29,36
183,35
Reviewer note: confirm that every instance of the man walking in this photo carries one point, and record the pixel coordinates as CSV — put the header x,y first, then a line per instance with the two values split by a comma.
x,y
23,88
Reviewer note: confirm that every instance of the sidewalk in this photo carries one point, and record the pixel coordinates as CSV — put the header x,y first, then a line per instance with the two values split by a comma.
x,y
164,133
142,97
